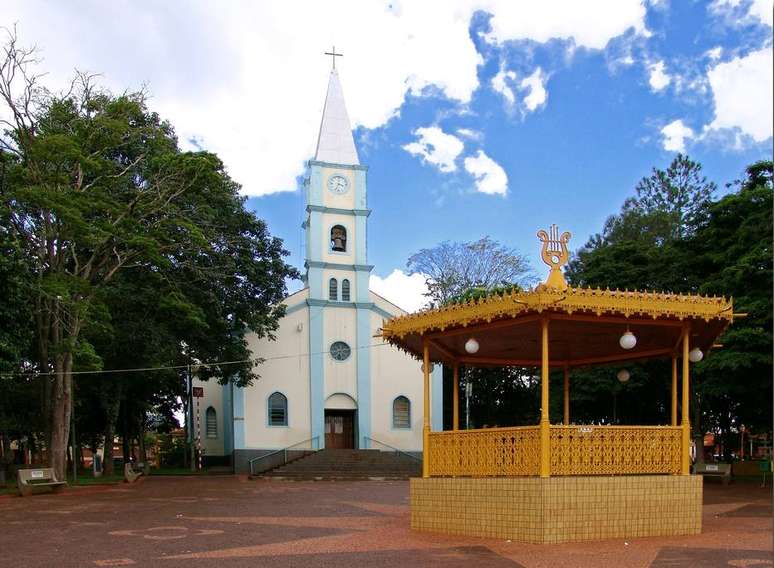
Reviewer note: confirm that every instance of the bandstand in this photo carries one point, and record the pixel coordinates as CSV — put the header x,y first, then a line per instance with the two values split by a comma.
x,y
552,483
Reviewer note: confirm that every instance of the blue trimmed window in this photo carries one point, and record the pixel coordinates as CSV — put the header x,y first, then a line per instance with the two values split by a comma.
x,y
333,290
345,290
401,413
278,409
211,422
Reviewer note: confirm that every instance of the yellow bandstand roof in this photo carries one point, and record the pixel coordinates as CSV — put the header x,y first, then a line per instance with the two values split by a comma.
x,y
585,323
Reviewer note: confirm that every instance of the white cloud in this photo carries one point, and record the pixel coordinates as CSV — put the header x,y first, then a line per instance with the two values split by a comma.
x,y
404,290
531,87
247,79
658,77
760,10
742,91
436,147
763,10
471,134
500,84
675,134
715,53
591,23
536,85
489,175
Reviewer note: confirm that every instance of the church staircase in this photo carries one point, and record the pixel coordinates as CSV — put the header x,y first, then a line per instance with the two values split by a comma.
x,y
347,465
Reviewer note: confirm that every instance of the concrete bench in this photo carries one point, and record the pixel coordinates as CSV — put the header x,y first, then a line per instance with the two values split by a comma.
x,y
722,470
27,480
133,471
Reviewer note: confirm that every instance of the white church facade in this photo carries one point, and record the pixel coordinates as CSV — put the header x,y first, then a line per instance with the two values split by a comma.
x,y
328,380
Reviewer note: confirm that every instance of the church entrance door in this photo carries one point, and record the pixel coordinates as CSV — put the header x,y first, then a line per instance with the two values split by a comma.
x,y
340,429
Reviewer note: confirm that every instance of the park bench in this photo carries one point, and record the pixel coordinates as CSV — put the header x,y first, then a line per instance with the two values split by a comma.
x,y
722,470
133,471
29,479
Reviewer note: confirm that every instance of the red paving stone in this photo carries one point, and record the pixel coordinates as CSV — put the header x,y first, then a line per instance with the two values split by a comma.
x,y
230,521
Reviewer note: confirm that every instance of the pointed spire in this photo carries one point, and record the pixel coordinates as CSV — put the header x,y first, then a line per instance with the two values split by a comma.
x,y
335,143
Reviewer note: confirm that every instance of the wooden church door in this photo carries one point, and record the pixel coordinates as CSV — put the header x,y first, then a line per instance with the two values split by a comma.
x,y
339,429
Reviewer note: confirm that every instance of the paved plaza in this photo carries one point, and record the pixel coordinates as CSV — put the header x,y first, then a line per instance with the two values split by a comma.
x,y
232,521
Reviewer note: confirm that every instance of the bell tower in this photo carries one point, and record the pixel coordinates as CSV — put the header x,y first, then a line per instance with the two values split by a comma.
x,y
337,269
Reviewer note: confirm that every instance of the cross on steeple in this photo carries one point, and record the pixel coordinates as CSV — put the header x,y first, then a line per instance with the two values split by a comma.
x,y
334,55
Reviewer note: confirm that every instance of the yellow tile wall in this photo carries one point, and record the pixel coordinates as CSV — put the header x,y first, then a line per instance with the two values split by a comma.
x,y
558,509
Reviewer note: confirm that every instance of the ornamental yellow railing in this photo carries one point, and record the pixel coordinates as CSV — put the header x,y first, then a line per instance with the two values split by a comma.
x,y
486,453
615,450
575,450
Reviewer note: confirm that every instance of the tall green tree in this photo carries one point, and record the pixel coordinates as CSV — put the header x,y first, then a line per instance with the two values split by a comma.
x,y
674,237
97,186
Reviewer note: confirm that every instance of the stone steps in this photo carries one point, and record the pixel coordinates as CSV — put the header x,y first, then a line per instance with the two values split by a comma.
x,y
347,465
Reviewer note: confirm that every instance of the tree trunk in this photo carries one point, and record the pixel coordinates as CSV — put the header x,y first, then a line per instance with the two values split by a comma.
x,y
111,415
61,406
143,457
6,458
126,436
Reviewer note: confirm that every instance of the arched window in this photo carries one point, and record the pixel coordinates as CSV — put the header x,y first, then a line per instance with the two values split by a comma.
x,y
278,409
345,290
211,422
333,290
338,238
401,412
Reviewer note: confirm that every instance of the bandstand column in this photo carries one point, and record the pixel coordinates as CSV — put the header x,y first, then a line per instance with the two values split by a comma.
x,y
685,468
566,395
674,390
426,423
456,398
545,425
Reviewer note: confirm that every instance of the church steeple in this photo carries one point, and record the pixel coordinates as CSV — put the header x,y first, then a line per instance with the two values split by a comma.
x,y
335,143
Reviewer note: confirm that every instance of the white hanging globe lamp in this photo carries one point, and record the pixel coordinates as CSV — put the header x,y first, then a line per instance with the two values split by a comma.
x,y
471,346
623,376
628,340
695,355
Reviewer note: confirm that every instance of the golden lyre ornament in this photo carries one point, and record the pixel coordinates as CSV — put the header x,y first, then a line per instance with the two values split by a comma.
x,y
555,254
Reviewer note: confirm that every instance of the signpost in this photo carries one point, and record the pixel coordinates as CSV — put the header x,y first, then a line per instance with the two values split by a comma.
x,y
198,393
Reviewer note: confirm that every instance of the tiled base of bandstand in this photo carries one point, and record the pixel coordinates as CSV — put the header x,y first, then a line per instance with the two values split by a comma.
x,y
558,509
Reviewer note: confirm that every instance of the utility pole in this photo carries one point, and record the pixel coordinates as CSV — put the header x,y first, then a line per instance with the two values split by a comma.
x,y
468,393
189,420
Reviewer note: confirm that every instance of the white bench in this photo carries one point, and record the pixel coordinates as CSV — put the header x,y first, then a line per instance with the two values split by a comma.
x,y
29,479
133,471
722,470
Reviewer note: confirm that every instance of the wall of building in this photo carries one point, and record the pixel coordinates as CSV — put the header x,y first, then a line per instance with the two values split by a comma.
x,y
285,370
340,376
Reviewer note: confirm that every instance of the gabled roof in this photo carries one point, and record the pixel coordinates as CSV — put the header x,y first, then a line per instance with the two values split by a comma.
x,y
335,143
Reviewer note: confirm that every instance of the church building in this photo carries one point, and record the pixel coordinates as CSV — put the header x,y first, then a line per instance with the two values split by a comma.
x,y
328,380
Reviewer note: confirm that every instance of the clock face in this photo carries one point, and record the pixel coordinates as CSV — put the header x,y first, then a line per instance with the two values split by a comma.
x,y
338,184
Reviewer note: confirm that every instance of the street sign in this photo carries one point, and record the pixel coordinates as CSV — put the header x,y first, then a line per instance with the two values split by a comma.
x,y
197,392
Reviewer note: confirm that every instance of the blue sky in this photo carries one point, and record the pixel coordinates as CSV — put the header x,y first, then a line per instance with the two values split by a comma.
x,y
475,117
571,161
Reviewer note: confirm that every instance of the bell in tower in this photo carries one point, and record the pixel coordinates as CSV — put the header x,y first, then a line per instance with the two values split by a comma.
x,y
339,239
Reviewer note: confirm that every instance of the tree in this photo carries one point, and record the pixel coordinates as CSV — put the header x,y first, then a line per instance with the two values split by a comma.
x,y
674,237
731,255
673,199
453,268
98,186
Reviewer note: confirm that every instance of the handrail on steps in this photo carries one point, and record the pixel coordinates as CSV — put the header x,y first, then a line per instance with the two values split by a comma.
x,y
284,451
393,448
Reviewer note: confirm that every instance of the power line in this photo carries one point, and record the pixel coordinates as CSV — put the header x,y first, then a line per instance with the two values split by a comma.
x,y
254,360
